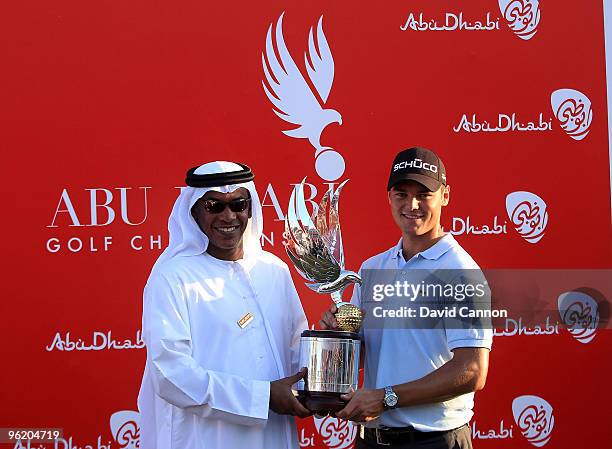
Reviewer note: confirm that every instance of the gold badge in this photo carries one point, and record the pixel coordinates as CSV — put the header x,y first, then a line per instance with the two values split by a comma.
x,y
245,320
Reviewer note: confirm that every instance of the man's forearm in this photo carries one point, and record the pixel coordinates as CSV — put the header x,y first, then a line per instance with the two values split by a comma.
x,y
466,372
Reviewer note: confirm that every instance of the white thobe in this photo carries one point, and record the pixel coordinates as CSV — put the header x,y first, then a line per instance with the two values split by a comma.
x,y
207,379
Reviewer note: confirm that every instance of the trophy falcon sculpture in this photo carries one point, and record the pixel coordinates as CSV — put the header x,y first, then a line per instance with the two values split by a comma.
x,y
314,244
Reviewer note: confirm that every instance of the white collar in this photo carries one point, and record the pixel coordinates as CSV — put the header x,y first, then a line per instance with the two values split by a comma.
x,y
432,253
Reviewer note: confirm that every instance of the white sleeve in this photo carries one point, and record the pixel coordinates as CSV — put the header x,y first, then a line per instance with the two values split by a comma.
x,y
179,379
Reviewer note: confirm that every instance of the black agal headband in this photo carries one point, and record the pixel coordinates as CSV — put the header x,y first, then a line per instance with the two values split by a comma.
x,y
219,179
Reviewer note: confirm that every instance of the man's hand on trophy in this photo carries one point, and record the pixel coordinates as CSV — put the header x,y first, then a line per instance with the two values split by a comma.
x,y
328,319
347,318
282,399
363,405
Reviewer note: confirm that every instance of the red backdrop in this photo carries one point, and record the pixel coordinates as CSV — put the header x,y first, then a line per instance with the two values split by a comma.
x,y
106,104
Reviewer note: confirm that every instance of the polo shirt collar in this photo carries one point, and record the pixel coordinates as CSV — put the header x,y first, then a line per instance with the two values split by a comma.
x,y
432,253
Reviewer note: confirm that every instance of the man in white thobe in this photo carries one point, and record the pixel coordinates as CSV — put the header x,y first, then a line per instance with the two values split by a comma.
x,y
221,323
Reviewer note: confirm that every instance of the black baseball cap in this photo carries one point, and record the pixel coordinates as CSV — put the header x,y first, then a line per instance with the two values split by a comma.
x,y
420,165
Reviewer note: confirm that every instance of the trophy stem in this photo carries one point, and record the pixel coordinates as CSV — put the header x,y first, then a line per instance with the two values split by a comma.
x,y
337,298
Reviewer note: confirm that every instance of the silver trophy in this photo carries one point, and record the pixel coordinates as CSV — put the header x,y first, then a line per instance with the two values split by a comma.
x,y
314,245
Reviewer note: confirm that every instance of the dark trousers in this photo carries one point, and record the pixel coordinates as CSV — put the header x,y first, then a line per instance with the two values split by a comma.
x,y
453,439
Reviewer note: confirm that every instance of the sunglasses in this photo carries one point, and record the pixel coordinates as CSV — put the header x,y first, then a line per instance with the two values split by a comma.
x,y
216,206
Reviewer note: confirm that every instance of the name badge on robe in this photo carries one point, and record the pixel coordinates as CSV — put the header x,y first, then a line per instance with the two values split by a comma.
x,y
245,320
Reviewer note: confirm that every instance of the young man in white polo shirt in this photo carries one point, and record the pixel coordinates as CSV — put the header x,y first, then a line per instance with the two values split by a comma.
x,y
419,383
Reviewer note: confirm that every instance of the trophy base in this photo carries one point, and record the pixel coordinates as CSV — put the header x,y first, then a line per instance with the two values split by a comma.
x,y
321,403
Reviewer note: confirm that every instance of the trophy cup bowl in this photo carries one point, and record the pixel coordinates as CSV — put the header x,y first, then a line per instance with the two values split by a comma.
x,y
332,359
314,245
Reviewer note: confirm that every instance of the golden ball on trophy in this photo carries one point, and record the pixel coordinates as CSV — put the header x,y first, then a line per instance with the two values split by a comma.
x,y
349,318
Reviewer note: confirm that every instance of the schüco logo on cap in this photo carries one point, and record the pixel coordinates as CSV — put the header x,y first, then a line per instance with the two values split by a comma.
x,y
415,163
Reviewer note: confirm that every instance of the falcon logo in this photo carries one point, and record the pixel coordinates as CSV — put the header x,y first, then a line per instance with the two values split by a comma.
x,y
534,416
293,99
125,427
523,16
336,433
528,213
573,110
580,313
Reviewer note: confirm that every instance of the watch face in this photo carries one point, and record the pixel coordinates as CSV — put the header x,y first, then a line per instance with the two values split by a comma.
x,y
391,400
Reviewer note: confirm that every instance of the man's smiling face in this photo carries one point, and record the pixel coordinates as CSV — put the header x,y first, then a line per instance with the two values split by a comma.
x,y
415,209
225,229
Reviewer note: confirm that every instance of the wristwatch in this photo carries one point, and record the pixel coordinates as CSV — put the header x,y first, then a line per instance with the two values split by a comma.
x,y
390,400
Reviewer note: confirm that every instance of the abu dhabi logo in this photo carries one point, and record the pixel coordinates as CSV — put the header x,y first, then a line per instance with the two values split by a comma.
x,y
502,123
451,22
573,110
535,419
125,427
523,16
570,107
528,214
580,313
336,433
293,99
